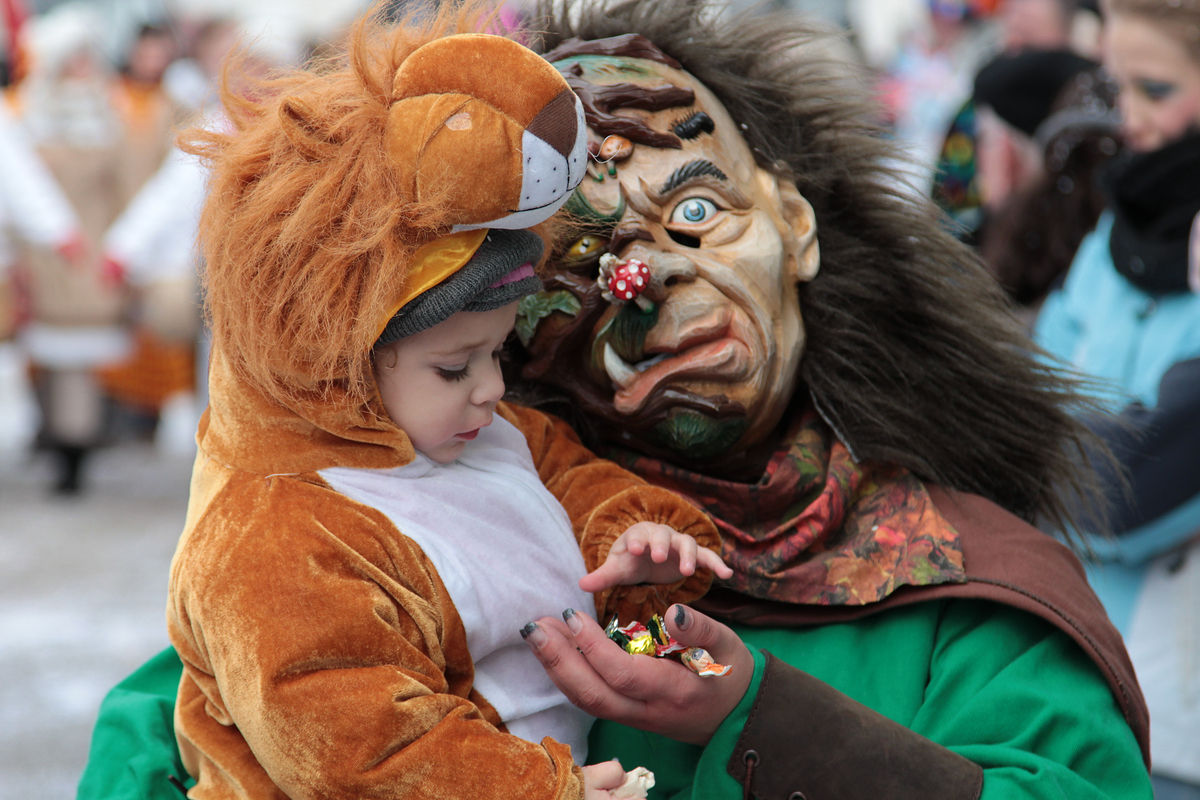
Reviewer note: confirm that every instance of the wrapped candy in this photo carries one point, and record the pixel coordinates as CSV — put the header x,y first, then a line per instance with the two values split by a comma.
x,y
641,644
700,662
652,639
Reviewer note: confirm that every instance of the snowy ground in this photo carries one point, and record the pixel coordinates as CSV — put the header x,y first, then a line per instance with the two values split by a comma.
x,y
82,592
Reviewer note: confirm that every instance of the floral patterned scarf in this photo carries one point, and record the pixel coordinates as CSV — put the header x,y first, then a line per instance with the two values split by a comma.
x,y
817,528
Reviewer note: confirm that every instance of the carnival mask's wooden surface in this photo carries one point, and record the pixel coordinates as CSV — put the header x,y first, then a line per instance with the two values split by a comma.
x,y
708,366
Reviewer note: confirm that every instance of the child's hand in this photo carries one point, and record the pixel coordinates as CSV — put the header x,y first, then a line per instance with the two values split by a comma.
x,y
599,780
652,553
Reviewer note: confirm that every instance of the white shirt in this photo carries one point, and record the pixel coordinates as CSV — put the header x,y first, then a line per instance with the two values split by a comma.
x,y
504,548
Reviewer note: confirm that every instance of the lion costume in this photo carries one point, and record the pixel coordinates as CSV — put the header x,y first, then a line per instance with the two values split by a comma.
x,y
330,649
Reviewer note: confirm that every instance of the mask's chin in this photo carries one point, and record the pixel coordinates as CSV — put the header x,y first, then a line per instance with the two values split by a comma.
x,y
693,435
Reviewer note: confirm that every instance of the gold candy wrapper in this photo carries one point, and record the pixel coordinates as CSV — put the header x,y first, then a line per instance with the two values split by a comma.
x,y
641,645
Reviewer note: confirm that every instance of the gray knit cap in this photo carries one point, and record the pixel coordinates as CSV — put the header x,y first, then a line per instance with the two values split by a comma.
x,y
499,272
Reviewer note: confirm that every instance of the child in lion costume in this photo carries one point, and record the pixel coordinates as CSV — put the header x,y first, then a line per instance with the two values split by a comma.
x,y
368,530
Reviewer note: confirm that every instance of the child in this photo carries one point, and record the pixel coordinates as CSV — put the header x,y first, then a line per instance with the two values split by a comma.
x,y
368,526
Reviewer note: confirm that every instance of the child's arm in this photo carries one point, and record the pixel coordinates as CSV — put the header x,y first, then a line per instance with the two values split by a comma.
x,y
603,501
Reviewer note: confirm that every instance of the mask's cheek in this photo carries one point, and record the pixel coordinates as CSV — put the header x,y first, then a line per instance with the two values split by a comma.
x,y
757,258
751,276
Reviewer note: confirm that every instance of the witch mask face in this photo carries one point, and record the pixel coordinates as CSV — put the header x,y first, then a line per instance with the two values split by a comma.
x,y
705,362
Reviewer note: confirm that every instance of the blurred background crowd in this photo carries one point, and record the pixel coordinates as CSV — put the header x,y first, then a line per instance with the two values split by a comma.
x,y
1076,176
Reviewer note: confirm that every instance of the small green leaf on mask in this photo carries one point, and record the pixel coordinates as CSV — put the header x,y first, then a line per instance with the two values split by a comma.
x,y
536,307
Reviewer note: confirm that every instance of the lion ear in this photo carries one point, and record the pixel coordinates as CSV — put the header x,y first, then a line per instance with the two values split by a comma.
x,y
798,214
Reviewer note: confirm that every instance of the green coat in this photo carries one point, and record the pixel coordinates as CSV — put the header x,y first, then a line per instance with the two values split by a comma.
x,y
994,684
991,683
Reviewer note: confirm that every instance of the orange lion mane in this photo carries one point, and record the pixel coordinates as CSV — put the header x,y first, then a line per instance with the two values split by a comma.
x,y
307,230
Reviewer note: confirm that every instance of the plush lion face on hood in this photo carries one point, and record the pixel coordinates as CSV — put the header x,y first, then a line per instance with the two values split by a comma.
x,y
327,180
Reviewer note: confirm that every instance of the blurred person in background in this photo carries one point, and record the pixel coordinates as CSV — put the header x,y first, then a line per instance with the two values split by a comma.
x,y
77,315
152,244
1128,316
33,213
149,114
192,79
1037,24
163,307
927,83
1022,25
1046,123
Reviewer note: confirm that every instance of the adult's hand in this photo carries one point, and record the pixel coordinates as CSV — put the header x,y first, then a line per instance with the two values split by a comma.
x,y
652,694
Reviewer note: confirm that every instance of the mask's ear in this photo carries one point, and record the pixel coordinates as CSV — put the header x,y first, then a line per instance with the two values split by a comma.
x,y
799,214
799,226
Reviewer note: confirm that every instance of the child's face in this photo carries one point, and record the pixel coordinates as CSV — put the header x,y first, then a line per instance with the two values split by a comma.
x,y
1159,81
440,386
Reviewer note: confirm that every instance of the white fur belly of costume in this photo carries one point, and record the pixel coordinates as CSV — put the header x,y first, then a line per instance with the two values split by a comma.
x,y
505,550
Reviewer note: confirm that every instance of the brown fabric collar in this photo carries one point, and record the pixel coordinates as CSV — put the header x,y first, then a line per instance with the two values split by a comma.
x,y
817,528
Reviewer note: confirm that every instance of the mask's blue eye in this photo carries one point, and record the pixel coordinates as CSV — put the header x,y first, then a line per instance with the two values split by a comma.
x,y
693,210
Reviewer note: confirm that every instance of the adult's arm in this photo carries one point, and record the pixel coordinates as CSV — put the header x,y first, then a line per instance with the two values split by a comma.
x,y
763,714
787,728
1000,695
1157,449
154,238
32,202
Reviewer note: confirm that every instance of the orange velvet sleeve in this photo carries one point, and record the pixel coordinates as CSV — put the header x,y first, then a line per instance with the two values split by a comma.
x,y
602,501
325,659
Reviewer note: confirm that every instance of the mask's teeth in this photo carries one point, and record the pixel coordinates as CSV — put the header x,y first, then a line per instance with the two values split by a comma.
x,y
642,366
620,372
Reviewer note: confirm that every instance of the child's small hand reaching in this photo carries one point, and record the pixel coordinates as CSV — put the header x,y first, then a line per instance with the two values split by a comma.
x,y
609,781
599,780
652,553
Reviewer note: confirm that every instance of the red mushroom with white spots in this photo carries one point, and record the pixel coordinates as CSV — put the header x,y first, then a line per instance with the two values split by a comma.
x,y
622,281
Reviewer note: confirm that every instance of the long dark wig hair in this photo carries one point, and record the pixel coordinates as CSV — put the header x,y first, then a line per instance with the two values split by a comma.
x,y
913,354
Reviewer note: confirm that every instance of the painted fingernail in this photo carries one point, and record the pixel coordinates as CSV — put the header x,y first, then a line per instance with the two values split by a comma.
x,y
534,636
572,620
682,620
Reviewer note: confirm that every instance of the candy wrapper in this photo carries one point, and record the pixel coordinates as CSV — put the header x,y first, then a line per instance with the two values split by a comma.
x,y
652,639
700,662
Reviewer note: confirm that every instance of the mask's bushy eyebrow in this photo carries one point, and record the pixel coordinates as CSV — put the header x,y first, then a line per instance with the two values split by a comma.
x,y
693,125
690,170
